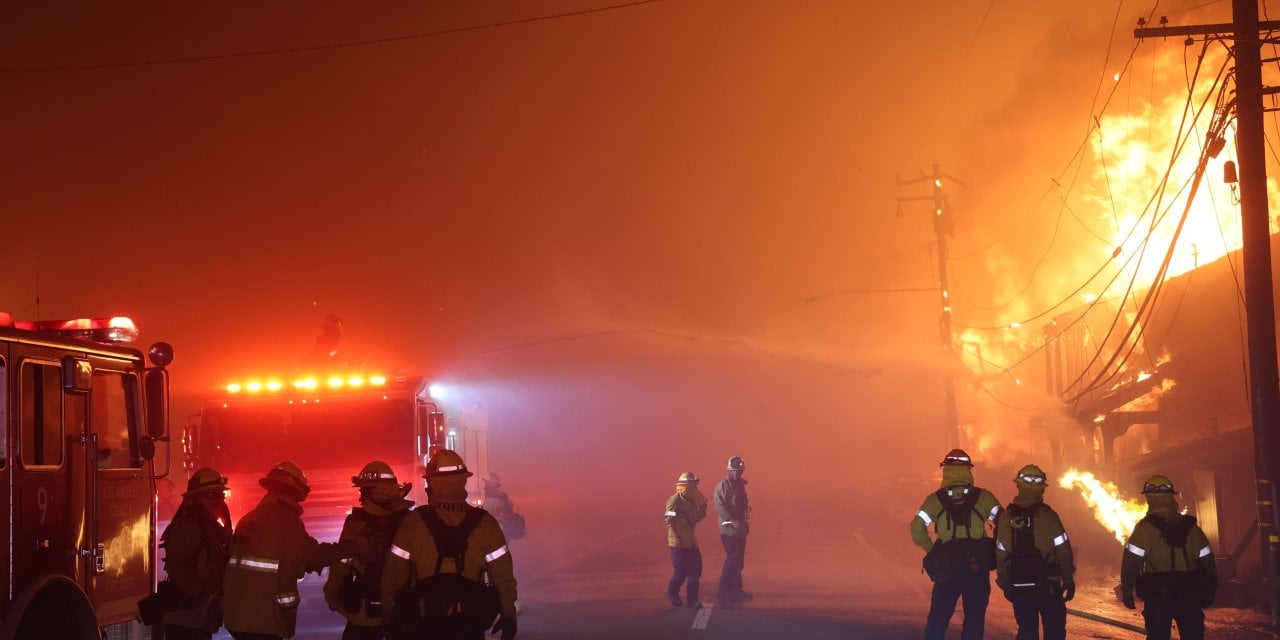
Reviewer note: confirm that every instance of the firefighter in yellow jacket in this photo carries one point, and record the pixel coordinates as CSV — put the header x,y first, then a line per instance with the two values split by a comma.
x,y
1034,563
960,560
1169,564
270,552
416,554
354,587
685,509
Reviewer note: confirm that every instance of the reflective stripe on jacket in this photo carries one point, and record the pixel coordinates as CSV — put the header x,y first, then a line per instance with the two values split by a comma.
x,y
984,511
358,521
270,552
681,514
1050,539
732,509
413,557
1147,552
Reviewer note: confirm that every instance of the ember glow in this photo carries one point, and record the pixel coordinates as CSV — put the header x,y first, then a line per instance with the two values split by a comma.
x,y
1117,514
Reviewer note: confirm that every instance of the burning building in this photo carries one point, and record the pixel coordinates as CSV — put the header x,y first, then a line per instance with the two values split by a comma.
x,y
1157,383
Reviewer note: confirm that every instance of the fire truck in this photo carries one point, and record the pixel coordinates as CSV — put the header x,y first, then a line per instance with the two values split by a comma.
x,y
331,424
81,414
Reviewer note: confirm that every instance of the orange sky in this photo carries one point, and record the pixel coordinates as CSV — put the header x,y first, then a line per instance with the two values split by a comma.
x,y
715,170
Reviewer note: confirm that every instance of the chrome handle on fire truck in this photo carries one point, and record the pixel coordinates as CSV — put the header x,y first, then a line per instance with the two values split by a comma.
x,y
96,556
97,553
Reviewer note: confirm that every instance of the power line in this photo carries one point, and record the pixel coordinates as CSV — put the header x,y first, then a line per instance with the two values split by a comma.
x,y
1077,159
1182,137
1129,342
1158,195
326,46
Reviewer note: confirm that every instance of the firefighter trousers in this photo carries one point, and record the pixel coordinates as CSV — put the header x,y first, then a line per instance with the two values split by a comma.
x,y
1046,607
735,553
975,588
687,567
1162,611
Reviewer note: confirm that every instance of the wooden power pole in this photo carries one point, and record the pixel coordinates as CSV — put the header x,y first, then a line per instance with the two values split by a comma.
x,y
1264,382
943,227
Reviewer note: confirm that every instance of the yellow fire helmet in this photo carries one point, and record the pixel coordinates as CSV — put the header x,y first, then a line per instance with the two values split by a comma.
x,y
374,473
1158,484
956,458
687,478
1031,476
446,462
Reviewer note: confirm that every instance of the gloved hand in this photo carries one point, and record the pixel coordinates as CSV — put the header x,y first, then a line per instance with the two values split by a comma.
x,y
506,626
372,546
1127,599
1068,590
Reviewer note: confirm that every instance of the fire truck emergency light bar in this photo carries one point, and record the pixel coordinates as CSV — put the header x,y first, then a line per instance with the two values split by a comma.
x,y
308,384
117,329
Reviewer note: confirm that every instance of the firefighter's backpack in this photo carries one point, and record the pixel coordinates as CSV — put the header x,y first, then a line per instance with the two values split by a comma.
x,y
1028,571
1196,579
447,605
957,557
362,587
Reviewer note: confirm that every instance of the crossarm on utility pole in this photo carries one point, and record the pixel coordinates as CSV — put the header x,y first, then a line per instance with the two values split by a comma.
x,y
1223,30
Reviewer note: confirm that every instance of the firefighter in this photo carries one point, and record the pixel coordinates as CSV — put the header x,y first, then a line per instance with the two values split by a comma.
x,y
500,506
1034,563
732,510
1169,564
960,560
685,509
436,561
354,587
196,547
270,553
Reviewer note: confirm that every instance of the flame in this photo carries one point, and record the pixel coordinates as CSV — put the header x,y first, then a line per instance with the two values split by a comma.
x,y
1119,515
1150,401
1132,151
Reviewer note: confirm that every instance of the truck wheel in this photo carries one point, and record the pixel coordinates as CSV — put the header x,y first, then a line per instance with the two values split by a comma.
x,y
55,607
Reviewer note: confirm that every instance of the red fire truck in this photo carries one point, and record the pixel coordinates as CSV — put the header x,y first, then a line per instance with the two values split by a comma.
x,y
331,424
80,416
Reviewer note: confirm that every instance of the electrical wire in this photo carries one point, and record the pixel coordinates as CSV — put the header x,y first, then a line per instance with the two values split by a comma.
x,y
1076,160
326,46
1183,134
1152,205
1129,342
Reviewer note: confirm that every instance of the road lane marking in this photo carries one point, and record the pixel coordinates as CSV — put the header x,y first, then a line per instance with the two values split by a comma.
x,y
704,616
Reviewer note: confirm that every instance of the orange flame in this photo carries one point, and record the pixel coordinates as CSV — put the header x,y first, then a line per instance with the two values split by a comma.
x,y
1119,515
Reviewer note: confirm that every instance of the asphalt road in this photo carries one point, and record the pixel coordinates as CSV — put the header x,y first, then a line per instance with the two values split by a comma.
x,y
812,579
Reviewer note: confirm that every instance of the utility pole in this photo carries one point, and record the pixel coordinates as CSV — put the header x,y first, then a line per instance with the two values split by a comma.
x,y
943,227
1264,382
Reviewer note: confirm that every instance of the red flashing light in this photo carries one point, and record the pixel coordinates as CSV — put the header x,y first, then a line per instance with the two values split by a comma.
x,y
117,329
